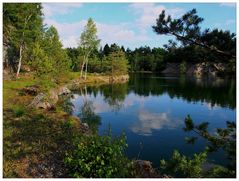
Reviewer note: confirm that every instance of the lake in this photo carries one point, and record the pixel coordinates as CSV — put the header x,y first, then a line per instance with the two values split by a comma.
x,y
151,109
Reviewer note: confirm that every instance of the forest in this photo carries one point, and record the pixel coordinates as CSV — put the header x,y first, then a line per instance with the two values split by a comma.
x,y
29,43
35,61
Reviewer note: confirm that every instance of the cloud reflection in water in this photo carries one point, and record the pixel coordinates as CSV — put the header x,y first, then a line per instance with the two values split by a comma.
x,y
149,121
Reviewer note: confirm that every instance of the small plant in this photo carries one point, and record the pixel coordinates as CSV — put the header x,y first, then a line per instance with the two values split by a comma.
x,y
98,157
182,166
225,139
183,67
19,111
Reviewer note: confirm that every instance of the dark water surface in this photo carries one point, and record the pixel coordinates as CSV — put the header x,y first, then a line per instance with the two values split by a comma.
x,y
151,110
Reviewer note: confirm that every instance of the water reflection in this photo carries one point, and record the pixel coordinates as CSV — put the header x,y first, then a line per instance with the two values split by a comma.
x,y
212,91
149,121
86,110
216,91
151,109
87,115
67,104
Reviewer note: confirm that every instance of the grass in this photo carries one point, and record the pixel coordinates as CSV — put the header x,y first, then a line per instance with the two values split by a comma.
x,y
19,111
37,139
30,136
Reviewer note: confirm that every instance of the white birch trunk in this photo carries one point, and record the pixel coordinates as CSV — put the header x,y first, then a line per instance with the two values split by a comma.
x,y
20,61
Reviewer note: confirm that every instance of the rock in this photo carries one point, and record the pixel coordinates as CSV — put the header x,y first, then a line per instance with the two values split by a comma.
x,y
40,102
30,90
144,169
53,96
63,91
198,69
85,127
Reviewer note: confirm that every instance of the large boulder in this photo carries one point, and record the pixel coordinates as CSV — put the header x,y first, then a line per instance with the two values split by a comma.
x,y
144,169
85,127
55,93
30,90
53,96
63,91
40,101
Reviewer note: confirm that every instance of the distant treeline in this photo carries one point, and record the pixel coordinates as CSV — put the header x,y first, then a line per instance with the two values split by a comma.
x,y
28,42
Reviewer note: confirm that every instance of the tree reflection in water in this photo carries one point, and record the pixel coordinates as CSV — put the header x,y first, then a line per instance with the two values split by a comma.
x,y
87,114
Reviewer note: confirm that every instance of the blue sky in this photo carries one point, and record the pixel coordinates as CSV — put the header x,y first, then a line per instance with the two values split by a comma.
x,y
130,24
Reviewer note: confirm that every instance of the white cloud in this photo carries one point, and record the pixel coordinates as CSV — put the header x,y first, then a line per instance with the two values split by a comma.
x,y
148,13
108,33
69,32
149,121
228,4
122,33
58,8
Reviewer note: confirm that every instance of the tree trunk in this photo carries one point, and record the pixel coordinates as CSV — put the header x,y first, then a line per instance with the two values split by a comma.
x,y
86,65
20,61
21,45
86,62
82,67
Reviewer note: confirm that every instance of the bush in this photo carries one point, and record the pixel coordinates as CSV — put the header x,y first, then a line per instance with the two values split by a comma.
x,y
182,166
98,157
183,67
19,111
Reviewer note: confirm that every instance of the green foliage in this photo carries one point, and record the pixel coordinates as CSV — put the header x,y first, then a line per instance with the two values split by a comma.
x,y
183,67
189,125
187,30
182,166
76,57
19,111
22,25
41,63
49,60
218,171
41,47
87,115
88,39
57,56
98,157
146,59
225,138
89,42
119,63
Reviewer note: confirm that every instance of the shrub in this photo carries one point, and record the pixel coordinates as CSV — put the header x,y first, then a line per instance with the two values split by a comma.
x,y
183,67
19,111
182,166
98,157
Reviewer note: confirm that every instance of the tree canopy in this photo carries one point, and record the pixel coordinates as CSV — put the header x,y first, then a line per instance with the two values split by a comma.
x,y
187,30
88,42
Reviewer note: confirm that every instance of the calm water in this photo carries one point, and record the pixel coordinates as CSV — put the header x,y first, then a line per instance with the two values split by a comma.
x,y
151,109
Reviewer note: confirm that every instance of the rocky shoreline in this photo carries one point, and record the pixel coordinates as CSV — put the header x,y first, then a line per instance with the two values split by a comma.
x,y
48,100
198,69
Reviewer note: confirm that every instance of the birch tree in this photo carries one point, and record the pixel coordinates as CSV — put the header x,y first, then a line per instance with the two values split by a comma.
x,y
22,26
88,42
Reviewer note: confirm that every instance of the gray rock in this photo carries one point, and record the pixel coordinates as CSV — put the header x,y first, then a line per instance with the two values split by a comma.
x,y
85,127
30,90
63,91
40,102
144,169
53,96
